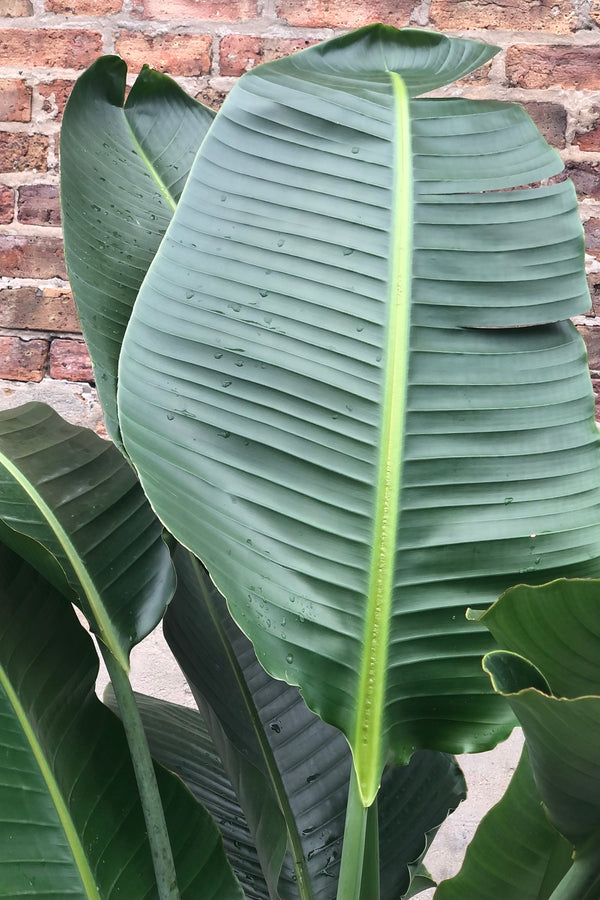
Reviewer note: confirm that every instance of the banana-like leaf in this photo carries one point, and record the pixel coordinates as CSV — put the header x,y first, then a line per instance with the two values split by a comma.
x,y
554,631
123,168
515,854
71,824
290,769
69,498
179,740
329,396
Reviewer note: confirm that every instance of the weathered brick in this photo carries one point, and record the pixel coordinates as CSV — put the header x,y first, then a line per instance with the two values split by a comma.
x,y
589,136
7,204
551,119
70,361
593,281
506,15
177,54
240,52
38,309
537,67
16,8
344,13
39,204
64,48
226,10
478,76
15,101
22,360
31,256
585,177
591,336
55,95
211,97
20,152
85,7
592,237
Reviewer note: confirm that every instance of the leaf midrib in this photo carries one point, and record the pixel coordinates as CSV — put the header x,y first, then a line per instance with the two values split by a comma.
x,y
60,806
172,203
373,675
92,595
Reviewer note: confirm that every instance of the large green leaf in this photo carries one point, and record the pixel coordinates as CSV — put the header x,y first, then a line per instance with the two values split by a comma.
x,y
123,168
290,769
71,825
515,854
328,399
69,497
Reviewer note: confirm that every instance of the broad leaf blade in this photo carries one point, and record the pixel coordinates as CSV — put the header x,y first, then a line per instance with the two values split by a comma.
x,y
70,816
75,501
266,734
312,412
515,854
122,172
556,628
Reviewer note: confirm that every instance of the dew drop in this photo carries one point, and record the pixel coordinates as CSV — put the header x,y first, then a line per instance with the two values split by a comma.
x,y
508,500
224,434
226,384
312,778
218,355
264,293
290,658
533,535
348,251
355,150
223,198
280,242
239,364
275,727
170,417
189,295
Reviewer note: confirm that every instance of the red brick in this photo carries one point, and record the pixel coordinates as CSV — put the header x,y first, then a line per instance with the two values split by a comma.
x,y
15,101
85,7
16,8
506,15
590,138
38,309
591,336
585,177
7,204
70,361
55,95
344,13
64,48
226,10
22,360
20,152
478,76
239,52
572,68
39,204
177,54
29,256
551,119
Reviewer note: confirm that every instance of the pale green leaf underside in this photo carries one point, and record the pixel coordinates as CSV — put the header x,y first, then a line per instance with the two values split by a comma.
x,y
261,377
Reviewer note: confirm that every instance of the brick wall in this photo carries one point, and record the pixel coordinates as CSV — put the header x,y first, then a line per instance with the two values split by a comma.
x,y
550,62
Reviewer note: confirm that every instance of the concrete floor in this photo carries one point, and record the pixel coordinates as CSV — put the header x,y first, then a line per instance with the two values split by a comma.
x,y
154,671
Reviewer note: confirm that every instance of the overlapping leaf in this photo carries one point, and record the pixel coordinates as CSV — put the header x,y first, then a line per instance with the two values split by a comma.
x,y
71,824
329,395
290,769
69,497
123,167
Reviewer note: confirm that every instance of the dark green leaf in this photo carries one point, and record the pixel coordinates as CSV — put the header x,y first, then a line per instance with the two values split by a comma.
x,y
71,825
122,172
70,498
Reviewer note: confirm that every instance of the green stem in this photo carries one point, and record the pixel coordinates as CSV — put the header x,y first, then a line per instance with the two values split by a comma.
x,y
370,886
156,826
353,848
582,881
